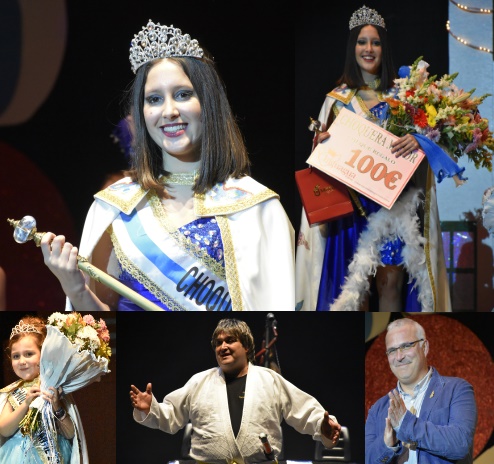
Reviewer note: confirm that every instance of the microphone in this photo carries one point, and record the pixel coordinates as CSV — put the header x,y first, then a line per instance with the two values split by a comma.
x,y
268,451
270,320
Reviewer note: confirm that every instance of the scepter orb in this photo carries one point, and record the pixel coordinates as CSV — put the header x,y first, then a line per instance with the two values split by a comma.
x,y
25,230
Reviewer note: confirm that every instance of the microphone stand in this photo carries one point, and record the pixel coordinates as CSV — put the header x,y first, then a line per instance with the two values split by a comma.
x,y
263,354
270,324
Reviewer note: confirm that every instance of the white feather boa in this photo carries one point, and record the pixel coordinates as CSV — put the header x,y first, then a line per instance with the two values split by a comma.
x,y
401,221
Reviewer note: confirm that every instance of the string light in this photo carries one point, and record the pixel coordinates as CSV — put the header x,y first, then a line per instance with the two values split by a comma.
x,y
471,9
465,42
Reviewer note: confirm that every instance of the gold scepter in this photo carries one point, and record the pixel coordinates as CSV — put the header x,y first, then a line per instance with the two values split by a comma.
x,y
25,230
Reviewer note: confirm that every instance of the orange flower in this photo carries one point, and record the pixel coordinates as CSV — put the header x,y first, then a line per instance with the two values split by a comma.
x,y
393,102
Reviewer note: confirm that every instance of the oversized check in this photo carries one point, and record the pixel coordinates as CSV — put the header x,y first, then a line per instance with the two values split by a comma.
x,y
358,154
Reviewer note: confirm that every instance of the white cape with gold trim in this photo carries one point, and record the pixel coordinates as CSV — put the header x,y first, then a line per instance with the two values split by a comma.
x,y
259,239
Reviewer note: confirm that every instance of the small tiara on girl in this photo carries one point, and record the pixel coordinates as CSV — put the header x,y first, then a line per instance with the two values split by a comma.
x,y
23,328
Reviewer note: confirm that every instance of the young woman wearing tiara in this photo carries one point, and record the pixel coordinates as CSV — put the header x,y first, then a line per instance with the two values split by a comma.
x,y
400,249
16,445
188,228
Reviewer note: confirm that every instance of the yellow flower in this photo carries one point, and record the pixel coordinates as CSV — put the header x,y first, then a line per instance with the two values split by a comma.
x,y
431,115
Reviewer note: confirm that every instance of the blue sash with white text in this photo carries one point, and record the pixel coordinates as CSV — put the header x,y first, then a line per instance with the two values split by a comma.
x,y
180,270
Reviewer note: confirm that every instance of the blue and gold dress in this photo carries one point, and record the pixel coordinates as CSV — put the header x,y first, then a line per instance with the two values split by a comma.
x,y
24,449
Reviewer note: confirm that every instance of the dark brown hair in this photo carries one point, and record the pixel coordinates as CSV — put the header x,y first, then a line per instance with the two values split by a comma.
x,y
223,151
238,329
352,75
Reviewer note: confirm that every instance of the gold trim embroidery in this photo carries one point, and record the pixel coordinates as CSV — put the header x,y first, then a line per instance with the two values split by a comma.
x,y
183,242
366,110
239,205
142,278
338,96
18,391
180,178
125,206
231,264
372,85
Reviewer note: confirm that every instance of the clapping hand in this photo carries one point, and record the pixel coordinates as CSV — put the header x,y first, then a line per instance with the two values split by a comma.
x,y
396,409
389,434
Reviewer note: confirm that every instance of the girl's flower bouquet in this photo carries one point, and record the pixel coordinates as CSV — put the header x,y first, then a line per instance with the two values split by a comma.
x,y
436,110
75,353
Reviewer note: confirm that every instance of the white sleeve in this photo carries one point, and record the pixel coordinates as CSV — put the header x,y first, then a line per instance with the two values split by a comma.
x,y
264,248
311,244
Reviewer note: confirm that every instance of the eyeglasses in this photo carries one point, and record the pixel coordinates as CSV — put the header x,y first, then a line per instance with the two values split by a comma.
x,y
403,348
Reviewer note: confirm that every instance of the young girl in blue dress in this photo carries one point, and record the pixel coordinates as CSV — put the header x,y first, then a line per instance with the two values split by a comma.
x,y
16,445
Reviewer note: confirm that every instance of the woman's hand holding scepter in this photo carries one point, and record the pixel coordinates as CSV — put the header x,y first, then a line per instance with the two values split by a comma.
x,y
25,230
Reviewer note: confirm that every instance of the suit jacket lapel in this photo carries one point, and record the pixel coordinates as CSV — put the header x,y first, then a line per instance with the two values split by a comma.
x,y
431,395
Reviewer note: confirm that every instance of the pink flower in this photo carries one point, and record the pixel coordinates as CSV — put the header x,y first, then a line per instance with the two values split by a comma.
x,y
103,332
477,137
104,335
433,134
88,319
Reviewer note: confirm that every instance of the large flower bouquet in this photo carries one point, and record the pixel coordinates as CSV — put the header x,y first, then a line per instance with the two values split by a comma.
x,y
75,353
84,331
441,112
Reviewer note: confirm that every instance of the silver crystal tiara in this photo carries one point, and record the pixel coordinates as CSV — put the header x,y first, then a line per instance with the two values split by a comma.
x,y
23,328
366,15
156,41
